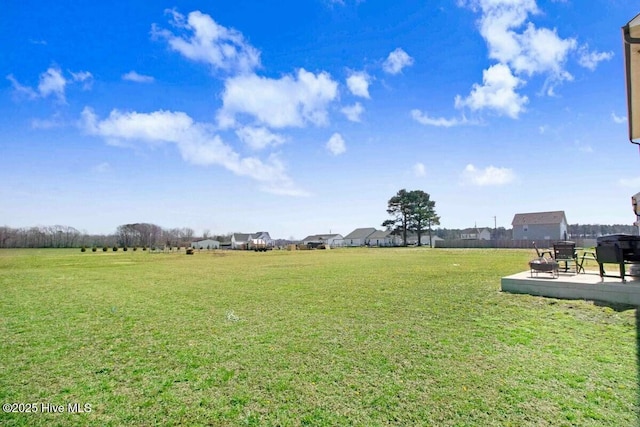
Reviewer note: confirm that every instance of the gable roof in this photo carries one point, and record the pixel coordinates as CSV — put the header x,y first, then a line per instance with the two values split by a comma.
x,y
206,241
475,230
318,237
379,234
360,233
241,237
553,217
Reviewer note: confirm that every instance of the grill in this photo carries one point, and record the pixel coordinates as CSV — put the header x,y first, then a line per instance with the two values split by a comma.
x,y
617,249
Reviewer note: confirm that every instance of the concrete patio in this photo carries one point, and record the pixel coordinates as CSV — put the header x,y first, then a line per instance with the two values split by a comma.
x,y
586,286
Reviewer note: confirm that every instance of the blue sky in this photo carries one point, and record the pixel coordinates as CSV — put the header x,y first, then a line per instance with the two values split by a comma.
x,y
306,117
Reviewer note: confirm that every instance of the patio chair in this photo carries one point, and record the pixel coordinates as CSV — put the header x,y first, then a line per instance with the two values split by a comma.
x,y
565,252
541,253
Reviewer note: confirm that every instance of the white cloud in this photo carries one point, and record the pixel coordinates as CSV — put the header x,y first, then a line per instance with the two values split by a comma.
x,y
196,143
425,119
278,103
204,40
85,77
542,51
419,170
498,19
497,92
358,84
336,145
353,112
52,82
618,119
21,90
396,61
259,137
488,176
133,76
533,50
591,60
522,50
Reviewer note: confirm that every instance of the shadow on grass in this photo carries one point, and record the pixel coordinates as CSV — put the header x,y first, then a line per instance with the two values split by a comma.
x,y
619,307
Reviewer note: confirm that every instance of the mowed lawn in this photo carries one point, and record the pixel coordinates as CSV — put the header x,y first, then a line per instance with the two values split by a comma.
x,y
363,337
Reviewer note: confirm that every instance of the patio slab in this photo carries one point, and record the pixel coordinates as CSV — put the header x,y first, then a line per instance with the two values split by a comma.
x,y
586,286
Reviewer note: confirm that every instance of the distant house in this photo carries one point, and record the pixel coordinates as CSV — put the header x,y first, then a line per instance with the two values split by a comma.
x,y
359,237
434,241
331,240
540,226
475,234
263,235
240,240
244,240
412,239
206,244
380,238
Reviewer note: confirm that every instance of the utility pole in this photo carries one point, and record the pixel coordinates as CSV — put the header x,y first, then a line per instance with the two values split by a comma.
x,y
495,228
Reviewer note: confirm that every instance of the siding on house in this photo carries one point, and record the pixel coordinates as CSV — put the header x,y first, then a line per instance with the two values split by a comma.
x,y
206,244
540,226
380,238
240,240
333,240
243,240
475,234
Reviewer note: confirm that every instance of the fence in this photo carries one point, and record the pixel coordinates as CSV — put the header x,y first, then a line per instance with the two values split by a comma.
x,y
507,244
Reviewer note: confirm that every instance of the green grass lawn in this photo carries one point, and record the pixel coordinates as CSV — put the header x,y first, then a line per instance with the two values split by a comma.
x,y
362,337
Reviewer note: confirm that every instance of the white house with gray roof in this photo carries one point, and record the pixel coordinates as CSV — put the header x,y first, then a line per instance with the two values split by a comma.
x,y
332,240
380,238
359,237
244,240
206,244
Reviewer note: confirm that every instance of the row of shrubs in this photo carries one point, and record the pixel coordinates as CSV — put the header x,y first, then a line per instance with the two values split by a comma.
x,y
124,248
114,249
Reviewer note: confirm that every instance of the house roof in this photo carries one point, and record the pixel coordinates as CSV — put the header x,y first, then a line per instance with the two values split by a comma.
x,y
241,237
554,217
360,233
207,241
475,230
318,237
379,234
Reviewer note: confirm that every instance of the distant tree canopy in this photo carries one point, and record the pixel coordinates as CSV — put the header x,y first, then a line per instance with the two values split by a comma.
x,y
62,236
591,231
411,211
51,236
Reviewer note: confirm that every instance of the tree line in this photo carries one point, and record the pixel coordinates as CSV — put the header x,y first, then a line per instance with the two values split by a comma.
x,y
126,235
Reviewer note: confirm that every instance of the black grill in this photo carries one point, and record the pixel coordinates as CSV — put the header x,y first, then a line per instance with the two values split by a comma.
x,y
617,249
